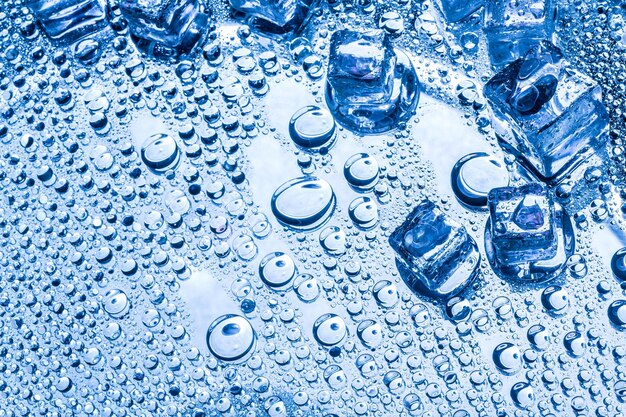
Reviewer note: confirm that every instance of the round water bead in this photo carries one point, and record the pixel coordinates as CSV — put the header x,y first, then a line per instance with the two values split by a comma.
x,y
303,203
474,175
312,128
231,338
361,171
160,153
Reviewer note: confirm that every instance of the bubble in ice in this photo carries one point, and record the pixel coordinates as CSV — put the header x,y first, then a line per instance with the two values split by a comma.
x,y
329,330
116,303
160,153
617,313
303,203
361,171
312,128
231,338
277,270
508,358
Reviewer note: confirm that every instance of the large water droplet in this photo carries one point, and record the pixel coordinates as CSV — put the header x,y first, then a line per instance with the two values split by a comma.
x,y
231,338
312,128
329,329
116,303
277,270
303,203
160,153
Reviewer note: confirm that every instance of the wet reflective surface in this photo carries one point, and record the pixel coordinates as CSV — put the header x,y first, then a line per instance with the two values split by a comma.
x,y
329,208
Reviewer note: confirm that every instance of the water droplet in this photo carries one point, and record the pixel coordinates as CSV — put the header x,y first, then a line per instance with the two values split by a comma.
x,y
363,212
116,303
312,128
507,358
303,203
277,271
329,330
361,171
474,175
231,338
617,313
160,153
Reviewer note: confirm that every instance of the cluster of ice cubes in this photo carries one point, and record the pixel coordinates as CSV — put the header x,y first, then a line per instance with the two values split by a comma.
x,y
275,17
511,27
551,117
165,28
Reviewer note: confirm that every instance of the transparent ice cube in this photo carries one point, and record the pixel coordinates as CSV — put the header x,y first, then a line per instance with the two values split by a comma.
x,y
522,223
276,16
546,113
513,27
455,10
361,66
436,254
371,86
165,27
68,20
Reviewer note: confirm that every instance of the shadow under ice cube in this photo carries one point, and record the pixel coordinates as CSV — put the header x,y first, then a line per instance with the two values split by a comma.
x,y
436,254
546,113
514,27
371,86
68,20
276,16
165,28
522,223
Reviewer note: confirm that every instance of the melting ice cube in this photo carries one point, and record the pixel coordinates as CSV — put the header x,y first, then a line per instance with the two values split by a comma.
x,y
437,255
547,113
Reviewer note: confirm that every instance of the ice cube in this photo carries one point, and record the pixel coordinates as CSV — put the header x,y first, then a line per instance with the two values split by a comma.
x,y
439,257
68,20
455,10
361,66
546,113
371,86
276,16
522,223
165,27
513,27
